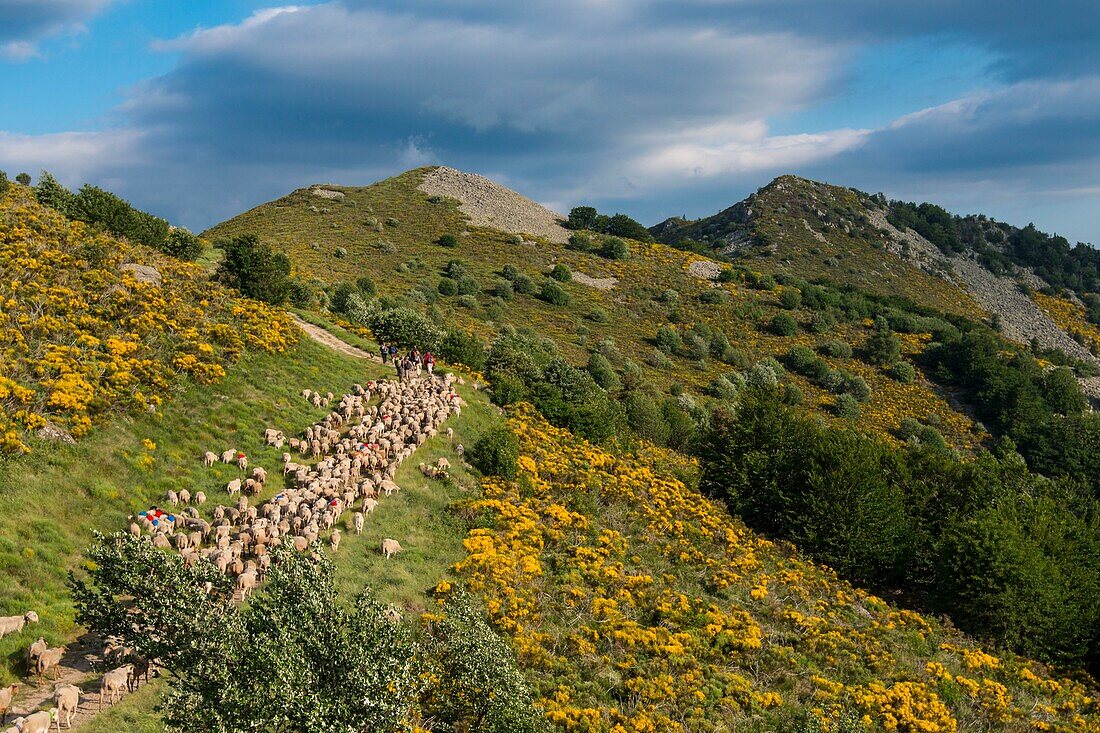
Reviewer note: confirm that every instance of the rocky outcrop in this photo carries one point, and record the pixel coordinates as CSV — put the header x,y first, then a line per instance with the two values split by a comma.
x,y
142,273
489,204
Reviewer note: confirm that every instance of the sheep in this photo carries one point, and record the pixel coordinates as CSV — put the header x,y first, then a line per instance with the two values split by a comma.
x,y
389,487
38,722
14,624
358,521
209,458
185,496
67,698
242,462
233,487
200,497
113,683
334,540
34,651
369,505
172,497
229,456
459,449
7,694
259,475
50,659
390,547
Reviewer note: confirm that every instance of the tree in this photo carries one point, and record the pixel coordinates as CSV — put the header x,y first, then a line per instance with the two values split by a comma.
x,y
481,686
783,325
183,245
581,217
561,273
4,183
406,328
460,347
602,371
254,269
448,240
23,179
50,192
96,206
553,293
668,340
882,347
296,658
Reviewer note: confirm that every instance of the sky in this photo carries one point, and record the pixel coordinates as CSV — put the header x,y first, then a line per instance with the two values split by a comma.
x,y
199,110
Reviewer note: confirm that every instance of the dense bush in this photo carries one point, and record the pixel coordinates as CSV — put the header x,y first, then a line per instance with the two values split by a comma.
x,y
447,286
614,248
783,324
553,293
96,206
602,371
790,298
837,349
904,372
561,273
406,328
447,240
253,268
882,347
619,225
846,407
496,453
182,244
713,296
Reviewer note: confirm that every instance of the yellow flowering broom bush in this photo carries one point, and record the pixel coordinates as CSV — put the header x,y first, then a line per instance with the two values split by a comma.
x,y
82,337
636,604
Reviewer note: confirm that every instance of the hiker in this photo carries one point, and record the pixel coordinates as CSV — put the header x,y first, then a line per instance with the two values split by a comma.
x,y
429,362
385,352
399,365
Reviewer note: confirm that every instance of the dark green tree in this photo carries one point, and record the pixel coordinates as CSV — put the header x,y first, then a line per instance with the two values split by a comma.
x,y
253,268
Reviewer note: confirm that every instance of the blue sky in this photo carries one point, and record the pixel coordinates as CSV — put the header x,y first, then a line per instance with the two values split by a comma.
x,y
198,110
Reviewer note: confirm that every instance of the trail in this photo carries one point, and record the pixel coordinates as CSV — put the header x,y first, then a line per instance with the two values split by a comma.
x,y
335,343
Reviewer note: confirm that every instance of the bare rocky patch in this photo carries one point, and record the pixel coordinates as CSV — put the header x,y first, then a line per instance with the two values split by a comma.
x,y
489,204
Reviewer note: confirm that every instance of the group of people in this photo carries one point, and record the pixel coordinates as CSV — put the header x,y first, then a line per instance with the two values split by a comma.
x,y
411,364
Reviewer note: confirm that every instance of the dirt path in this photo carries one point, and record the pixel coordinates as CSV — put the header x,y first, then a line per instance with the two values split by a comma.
x,y
322,336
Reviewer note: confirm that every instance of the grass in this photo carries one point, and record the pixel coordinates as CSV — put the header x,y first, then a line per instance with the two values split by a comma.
x,y
633,311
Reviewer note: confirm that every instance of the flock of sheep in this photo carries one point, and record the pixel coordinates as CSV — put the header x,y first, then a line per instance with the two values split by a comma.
x,y
355,451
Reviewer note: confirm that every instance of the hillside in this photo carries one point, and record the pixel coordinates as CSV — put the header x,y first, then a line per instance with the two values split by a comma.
x,y
93,326
389,232
976,267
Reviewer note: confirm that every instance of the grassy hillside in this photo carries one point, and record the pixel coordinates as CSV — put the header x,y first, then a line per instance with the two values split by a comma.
x,y
815,230
92,326
388,232
636,604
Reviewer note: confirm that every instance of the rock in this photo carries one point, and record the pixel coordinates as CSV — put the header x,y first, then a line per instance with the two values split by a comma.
x,y
143,273
489,204
55,433
600,283
326,193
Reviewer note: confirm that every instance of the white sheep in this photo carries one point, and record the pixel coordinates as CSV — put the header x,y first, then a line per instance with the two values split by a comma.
x,y
14,624
334,540
369,505
259,475
67,698
229,456
390,547
359,521
234,486
34,651
185,496
242,462
50,659
114,683
38,722
209,458
200,498
7,694
172,497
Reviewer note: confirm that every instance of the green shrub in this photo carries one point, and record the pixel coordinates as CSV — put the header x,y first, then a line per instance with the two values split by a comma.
x,y
447,240
447,286
602,372
713,296
406,328
668,340
504,289
882,347
514,239
598,315
460,347
580,243
792,394
366,286
790,298
733,356
669,296
182,244
904,372
783,325
727,275
846,407
254,269
340,252
802,360
467,301
496,453
837,349
467,285
509,272
4,183
523,284
614,248
722,388
561,273
554,294
23,179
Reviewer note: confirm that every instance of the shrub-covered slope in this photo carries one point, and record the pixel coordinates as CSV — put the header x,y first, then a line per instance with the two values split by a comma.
x,y
479,279
635,604
93,326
